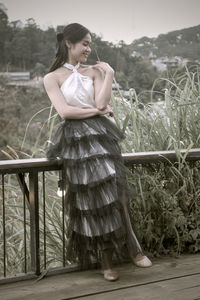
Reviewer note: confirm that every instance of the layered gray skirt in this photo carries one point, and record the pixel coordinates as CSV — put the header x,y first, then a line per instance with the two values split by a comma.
x,y
97,202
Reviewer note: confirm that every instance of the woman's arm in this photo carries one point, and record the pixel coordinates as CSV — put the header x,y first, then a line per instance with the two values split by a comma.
x,y
64,110
103,86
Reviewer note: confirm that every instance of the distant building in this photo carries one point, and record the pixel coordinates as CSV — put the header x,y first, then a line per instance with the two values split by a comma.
x,y
161,63
17,24
152,55
15,76
135,54
116,86
175,61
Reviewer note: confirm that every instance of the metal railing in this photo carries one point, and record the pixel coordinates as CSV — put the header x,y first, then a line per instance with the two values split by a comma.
x,y
30,168
35,170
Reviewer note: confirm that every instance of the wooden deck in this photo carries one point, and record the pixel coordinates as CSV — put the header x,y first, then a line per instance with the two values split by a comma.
x,y
168,278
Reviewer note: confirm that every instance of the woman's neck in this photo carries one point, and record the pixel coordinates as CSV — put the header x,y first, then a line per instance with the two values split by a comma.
x,y
72,62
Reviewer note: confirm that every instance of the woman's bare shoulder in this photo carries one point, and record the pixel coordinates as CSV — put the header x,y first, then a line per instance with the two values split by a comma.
x,y
97,73
52,76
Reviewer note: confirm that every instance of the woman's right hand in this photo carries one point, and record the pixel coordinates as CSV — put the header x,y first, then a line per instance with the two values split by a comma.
x,y
103,66
107,110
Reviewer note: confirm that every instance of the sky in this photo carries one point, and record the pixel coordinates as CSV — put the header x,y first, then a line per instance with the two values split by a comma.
x,y
113,20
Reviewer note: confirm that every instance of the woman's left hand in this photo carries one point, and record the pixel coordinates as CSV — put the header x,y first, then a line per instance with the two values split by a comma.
x,y
110,111
104,66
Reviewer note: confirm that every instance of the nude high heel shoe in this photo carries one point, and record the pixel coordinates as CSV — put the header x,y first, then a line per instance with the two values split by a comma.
x,y
144,262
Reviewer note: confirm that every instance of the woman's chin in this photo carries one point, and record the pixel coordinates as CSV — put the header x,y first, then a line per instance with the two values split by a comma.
x,y
83,58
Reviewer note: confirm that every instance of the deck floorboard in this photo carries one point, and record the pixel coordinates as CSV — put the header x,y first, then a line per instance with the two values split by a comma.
x,y
168,278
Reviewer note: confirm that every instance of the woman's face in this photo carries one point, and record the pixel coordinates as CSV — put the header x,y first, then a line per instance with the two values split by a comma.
x,y
80,50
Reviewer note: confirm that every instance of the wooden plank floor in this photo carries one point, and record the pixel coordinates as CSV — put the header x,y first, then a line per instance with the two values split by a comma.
x,y
168,278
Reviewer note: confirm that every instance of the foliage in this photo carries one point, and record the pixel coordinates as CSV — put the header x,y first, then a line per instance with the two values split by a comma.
x,y
166,207
166,210
141,76
18,105
165,125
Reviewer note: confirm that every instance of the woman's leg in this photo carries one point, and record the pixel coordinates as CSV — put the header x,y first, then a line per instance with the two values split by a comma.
x,y
107,266
135,250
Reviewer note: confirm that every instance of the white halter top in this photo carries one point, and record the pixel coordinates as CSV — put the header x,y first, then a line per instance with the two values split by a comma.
x,y
78,89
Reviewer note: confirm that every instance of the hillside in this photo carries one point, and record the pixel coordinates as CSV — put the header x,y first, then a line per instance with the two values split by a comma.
x,y
184,43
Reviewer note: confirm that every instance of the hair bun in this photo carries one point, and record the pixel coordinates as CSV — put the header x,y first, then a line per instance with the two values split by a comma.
x,y
59,36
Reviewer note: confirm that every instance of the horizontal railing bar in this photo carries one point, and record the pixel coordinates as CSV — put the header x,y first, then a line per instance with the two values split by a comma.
x,y
18,277
26,169
16,166
49,272
67,269
28,163
160,156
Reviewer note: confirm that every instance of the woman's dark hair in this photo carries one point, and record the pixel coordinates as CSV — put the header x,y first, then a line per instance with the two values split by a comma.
x,y
74,33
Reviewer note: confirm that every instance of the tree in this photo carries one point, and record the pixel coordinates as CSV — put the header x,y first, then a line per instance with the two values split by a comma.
x,y
39,70
141,76
121,79
4,34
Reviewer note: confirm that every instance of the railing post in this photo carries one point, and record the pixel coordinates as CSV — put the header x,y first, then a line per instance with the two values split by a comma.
x,y
34,222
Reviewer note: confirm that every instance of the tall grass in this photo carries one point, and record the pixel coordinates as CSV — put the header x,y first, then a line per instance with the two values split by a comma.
x,y
14,225
170,124
166,207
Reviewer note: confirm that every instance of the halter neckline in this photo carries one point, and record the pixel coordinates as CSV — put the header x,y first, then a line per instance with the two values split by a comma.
x,y
72,67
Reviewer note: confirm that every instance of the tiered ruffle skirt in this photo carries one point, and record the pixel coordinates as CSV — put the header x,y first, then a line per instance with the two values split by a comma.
x,y
97,202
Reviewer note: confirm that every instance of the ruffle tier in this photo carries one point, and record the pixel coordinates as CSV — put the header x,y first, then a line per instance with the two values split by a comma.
x,y
98,194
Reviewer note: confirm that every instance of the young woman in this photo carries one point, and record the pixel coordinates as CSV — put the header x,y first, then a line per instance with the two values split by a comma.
x,y
87,142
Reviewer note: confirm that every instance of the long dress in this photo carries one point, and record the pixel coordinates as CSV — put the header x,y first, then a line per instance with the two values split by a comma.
x,y
97,201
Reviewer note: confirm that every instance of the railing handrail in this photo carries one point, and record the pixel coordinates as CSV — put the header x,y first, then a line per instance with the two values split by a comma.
x,y
137,157
27,163
159,156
